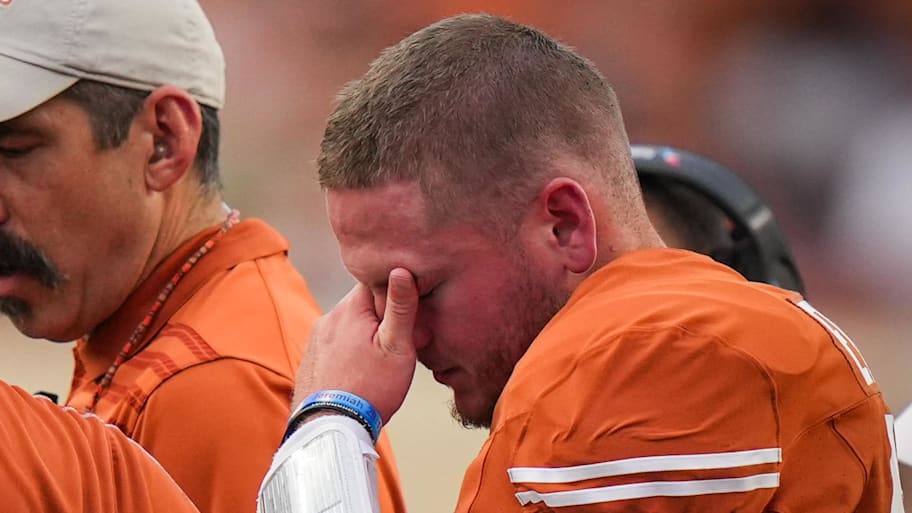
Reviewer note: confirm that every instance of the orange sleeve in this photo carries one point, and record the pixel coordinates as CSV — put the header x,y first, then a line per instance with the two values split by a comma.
x,y
214,427
55,460
389,487
660,421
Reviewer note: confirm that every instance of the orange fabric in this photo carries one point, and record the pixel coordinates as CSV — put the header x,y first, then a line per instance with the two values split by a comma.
x,y
208,390
56,461
663,353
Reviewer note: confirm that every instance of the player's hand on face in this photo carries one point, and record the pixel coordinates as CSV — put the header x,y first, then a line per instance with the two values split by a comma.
x,y
351,349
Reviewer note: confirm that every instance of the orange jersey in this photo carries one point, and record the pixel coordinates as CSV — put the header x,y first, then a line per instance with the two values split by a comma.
x,y
57,461
207,391
668,384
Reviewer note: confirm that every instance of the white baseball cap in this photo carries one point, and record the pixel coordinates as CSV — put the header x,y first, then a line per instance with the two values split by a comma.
x,y
47,45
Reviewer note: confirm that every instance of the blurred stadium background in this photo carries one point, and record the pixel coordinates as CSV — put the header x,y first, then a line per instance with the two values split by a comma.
x,y
809,100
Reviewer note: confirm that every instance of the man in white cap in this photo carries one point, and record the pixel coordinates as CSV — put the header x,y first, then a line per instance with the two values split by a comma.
x,y
113,231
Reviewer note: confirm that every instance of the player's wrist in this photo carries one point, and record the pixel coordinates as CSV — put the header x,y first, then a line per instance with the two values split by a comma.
x,y
336,402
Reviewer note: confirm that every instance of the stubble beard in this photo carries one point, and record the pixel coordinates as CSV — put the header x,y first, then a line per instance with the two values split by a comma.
x,y
528,307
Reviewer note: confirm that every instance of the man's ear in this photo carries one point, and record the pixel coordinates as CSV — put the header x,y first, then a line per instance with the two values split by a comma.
x,y
173,120
565,218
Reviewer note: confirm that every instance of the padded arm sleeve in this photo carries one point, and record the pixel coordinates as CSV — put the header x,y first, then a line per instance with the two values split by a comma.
x,y
329,464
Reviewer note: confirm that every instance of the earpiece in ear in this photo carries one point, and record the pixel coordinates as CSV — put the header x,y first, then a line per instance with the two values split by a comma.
x,y
159,152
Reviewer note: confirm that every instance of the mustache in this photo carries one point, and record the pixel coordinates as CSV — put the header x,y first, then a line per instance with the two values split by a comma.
x,y
18,256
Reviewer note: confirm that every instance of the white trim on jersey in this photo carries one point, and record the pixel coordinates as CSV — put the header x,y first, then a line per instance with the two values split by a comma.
x,y
705,461
896,503
650,489
847,344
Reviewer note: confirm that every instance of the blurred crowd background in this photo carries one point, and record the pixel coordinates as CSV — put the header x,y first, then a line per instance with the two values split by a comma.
x,y
809,100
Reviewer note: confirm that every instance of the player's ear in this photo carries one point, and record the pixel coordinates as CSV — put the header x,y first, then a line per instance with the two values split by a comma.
x,y
562,216
172,119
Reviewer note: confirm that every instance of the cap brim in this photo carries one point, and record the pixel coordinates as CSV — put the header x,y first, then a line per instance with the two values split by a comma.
x,y
25,86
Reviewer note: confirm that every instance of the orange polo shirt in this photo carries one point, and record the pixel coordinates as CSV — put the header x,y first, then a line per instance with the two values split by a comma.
x,y
207,390
668,384
57,461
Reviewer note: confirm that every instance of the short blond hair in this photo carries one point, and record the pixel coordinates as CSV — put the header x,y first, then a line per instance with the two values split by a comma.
x,y
476,109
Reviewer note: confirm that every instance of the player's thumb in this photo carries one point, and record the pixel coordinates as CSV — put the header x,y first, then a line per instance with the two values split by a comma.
x,y
398,324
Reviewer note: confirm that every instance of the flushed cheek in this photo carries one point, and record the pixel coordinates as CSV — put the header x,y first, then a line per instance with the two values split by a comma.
x,y
452,334
443,345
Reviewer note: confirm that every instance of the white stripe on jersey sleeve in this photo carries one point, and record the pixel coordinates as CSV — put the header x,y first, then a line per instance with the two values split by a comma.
x,y
896,503
650,489
850,348
645,464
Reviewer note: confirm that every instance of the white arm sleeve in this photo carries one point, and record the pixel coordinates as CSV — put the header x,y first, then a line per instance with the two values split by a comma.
x,y
328,465
903,429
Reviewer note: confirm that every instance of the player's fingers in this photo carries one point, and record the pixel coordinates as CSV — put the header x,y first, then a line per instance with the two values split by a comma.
x,y
398,323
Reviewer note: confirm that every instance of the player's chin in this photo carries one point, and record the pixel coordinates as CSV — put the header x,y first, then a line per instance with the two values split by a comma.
x,y
39,321
473,410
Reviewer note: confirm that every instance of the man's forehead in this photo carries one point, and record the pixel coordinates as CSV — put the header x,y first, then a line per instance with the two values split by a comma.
x,y
379,213
18,124
386,227
39,118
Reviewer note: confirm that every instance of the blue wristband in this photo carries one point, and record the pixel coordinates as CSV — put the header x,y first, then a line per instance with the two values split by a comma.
x,y
339,401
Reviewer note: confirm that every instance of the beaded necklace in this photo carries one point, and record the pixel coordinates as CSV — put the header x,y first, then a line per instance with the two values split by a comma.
x,y
140,330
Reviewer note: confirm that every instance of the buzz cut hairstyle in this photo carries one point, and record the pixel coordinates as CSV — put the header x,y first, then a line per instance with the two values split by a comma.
x,y
476,110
